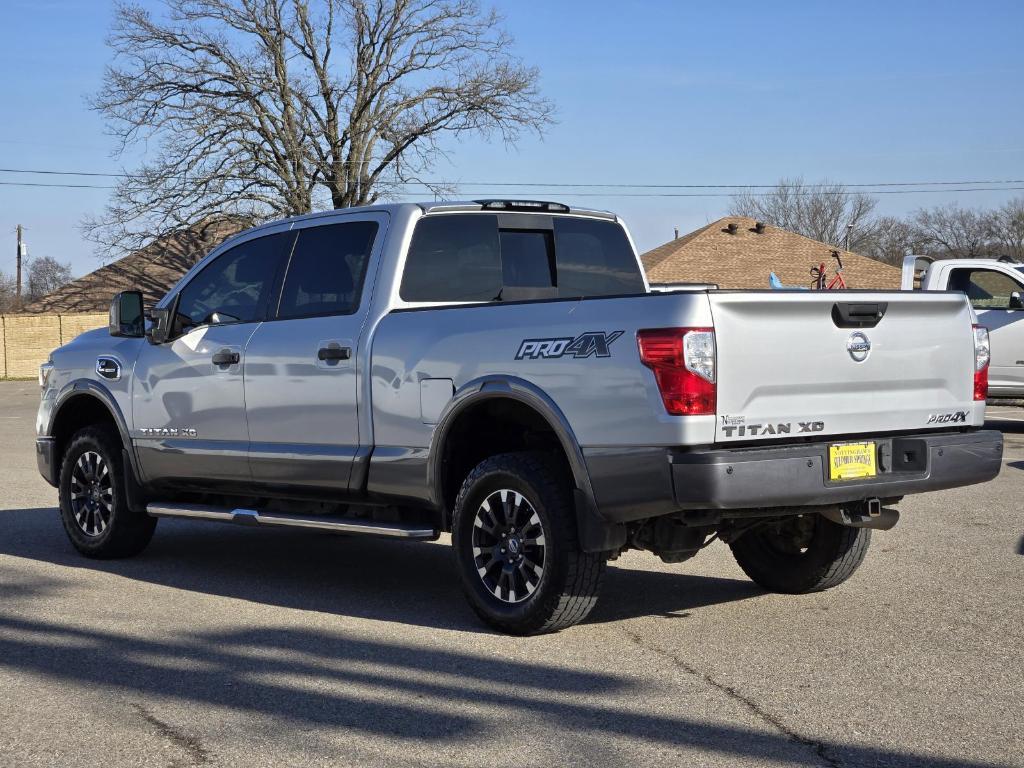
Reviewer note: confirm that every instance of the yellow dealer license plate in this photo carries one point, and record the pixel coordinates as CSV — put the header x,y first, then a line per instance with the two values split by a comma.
x,y
851,461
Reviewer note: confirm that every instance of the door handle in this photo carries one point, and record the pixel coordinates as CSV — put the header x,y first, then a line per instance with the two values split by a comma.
x,y
226,357
334,353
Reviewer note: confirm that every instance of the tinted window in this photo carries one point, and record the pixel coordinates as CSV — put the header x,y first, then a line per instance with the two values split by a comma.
x,y
527,259
594,258
236,286
985,288
325,273
453,258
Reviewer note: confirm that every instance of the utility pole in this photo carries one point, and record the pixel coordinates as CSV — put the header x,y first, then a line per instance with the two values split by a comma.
x,y
21,253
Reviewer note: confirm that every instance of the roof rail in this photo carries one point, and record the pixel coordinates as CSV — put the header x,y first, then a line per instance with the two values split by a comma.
x,y
512,206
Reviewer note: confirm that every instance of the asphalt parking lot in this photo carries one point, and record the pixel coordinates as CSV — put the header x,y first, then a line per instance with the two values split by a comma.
x,y
224,646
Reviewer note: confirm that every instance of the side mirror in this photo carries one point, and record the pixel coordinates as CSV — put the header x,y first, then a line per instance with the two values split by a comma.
x,y
126,315
160,326
1016,302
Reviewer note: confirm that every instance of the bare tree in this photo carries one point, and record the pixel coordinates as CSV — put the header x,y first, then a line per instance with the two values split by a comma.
x,y
270,108
951,231
892,239
1006,225
822,211
8,293
46,275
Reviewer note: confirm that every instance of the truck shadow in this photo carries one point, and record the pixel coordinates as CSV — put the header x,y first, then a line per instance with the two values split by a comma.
x,y
405,582
304,680
324,678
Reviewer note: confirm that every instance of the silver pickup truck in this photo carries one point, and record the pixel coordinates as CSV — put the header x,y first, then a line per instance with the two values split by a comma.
x,y
500,370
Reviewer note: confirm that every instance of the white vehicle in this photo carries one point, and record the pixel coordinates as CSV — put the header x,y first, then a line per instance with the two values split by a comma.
x,y
994,289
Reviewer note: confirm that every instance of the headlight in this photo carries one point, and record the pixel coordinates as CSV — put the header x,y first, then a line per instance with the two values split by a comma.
x,y
45,371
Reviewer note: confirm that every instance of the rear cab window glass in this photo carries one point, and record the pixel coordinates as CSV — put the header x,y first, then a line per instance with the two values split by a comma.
x,y
481,258
527,258
595,258
453,258
326,270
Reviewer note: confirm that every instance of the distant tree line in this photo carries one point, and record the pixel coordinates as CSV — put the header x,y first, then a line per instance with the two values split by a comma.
x,y
828,212
39,277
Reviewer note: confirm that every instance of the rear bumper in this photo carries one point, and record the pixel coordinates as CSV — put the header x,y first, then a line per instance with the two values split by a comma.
x,y
648,482
45,459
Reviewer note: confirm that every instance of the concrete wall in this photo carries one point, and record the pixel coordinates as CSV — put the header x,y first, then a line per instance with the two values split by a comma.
x,y
27,340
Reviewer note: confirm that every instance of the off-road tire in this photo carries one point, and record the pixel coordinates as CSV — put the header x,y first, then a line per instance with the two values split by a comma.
x,y
832,554
569,586
127,531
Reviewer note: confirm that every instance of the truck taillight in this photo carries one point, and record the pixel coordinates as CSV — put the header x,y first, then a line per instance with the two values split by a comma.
x,y
982,356
683,361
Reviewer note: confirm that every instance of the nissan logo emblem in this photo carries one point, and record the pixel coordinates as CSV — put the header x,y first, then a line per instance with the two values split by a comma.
x,y
858,345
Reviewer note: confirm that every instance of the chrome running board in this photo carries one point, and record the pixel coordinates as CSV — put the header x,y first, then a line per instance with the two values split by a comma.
x,y
280,520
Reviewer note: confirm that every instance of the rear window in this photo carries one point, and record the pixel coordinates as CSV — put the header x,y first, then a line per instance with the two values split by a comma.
x,y
468,257
527,258
594,258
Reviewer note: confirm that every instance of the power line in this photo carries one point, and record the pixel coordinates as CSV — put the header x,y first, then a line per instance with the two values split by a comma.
x,y
64,186
544,185
429,192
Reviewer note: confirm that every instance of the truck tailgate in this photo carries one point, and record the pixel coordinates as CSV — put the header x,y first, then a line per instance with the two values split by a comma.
x,y
792,365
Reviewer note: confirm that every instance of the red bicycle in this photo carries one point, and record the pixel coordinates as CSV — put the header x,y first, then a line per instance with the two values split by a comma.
x,y
820,275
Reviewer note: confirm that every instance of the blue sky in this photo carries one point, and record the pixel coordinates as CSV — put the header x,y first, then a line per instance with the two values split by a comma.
x,y
647,93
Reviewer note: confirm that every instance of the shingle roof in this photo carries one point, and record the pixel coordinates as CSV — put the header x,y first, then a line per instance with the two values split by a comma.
x,y
152,270
744,259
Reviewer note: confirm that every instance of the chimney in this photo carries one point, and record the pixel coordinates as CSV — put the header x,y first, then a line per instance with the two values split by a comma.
x,y
676,236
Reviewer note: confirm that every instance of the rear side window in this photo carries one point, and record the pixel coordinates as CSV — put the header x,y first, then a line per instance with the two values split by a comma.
x,y
236,286
326,270
594,259
453,258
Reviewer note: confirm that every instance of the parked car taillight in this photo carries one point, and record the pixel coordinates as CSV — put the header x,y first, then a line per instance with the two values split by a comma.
x,y
982,356
683,361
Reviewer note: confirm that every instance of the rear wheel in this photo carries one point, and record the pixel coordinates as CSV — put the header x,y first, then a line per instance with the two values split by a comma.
x,y
93,502
514,537
800,554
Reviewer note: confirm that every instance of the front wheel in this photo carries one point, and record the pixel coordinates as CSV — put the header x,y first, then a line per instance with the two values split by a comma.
x,y
93,502
515,542
800,554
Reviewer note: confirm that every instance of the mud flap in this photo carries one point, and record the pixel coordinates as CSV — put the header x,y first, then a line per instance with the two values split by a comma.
x,y
595,534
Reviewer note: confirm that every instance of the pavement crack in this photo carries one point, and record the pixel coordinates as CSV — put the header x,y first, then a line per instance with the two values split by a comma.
x,y
193,748
820,748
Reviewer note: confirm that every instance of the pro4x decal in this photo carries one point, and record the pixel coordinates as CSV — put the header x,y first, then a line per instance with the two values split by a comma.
x,y
589,344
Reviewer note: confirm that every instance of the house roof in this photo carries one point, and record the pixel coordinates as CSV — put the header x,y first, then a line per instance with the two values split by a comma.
x,y
152,270
744,259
